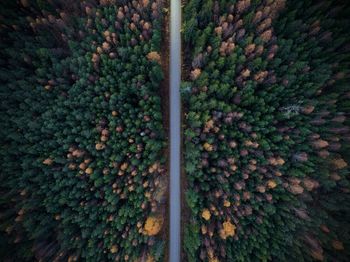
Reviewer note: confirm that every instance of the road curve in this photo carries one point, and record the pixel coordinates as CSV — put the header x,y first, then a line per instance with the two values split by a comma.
x,y
175,130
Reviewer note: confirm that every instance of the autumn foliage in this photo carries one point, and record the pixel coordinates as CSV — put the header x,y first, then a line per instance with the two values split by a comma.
x,y
82,138
266,100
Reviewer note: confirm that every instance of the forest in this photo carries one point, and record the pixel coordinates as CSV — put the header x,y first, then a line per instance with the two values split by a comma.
x,y
82,164
85,122
266,138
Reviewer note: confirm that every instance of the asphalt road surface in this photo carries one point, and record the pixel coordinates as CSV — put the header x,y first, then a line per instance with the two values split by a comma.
x,y
175,129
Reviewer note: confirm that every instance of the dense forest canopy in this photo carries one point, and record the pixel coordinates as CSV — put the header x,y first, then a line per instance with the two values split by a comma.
x,y
266,135
266,96
82,164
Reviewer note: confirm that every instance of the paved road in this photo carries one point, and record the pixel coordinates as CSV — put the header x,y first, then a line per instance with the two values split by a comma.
x,y
175,131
